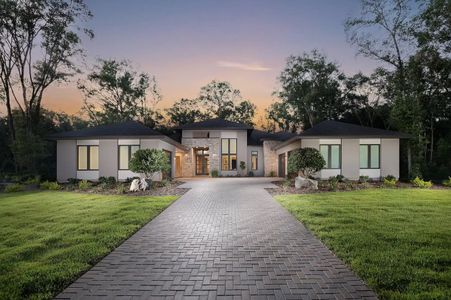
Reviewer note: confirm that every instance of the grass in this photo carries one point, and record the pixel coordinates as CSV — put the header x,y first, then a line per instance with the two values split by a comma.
x,y
47,239
397,240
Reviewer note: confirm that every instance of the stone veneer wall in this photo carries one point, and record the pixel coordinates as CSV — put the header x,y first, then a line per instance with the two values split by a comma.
x,y
270,157
188,166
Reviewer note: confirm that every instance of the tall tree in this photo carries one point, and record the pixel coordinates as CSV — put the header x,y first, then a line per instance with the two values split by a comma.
x,y
185,111
114,92
218,98
38,41
310,88
244,112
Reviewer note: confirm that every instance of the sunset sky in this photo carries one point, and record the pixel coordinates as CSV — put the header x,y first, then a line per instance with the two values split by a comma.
x,y
186,44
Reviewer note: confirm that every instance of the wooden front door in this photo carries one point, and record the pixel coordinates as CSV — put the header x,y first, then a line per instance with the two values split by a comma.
x,y
202,161
282,171
178,166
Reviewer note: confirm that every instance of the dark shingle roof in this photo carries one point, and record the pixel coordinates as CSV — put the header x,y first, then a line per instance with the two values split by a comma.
x,y
257,136
215,124
340,129
130,128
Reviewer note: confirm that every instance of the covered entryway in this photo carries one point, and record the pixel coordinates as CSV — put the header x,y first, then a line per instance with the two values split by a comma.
x,y
282,171
202,161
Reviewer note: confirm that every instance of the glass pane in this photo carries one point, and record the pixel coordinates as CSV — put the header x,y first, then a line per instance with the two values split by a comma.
x,y
225,162
233,162
254,162
374,156
94,158
225,146
232,146
324,149
335,156
363,156
133,149
82,158
123,157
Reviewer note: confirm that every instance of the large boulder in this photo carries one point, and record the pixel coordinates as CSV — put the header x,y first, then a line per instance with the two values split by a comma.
x,y
145,184
134,187
301,182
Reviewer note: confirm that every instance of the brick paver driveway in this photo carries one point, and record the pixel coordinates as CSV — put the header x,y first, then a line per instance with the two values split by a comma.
x,y
225,238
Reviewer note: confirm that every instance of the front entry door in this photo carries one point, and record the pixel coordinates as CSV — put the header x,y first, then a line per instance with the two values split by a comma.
x,y
282,172
202,161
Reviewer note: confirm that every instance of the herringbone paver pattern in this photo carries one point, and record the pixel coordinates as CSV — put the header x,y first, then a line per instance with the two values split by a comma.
x,y
224,239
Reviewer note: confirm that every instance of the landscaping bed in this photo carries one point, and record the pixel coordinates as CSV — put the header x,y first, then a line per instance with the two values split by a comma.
x,y
397,240
49,238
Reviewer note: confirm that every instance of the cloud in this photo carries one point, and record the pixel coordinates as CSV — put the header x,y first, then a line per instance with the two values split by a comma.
x,y
246,67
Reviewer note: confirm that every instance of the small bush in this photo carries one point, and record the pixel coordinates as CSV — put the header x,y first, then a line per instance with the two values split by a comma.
x,y
52,186
333,183
250,174
340,178
121,189
73,181
214,173
364,179
165,183
390,182
32,180
447,182
84,184
107,182
390,177
272,174
420,183
12,188
286,183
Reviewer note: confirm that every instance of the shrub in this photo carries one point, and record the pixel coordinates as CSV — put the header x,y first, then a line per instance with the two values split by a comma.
x,y
242,165
420,183
447,182
32,180
390,177
52,186
84,184
250,174
390,182
149,162
286,184
272,174
341,178
214,173
364,179
107,182
12,188
165,182
73,181
121,189
333,183
305,161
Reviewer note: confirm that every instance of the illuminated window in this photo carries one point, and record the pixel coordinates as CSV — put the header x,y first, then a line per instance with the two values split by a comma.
x,y
88,158
125,154
228,154
254,160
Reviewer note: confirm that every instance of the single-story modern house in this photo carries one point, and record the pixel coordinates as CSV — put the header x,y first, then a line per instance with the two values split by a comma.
x,y
229,148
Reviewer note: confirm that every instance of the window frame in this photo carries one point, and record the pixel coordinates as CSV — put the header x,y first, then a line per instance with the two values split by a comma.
x,y
129,151
368,163
254,153
88,158
229,155
329,156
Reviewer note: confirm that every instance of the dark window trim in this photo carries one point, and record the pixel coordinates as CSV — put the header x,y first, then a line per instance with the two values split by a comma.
x,y
368,163
329,156
254,153
129,154
228,154
88,159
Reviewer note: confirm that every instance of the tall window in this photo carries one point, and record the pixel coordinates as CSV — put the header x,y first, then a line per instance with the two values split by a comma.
x,y
332,156
369,156
228,154
125,154
254,160
87,158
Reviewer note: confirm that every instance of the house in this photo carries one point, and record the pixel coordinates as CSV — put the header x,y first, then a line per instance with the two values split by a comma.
x,y
227,147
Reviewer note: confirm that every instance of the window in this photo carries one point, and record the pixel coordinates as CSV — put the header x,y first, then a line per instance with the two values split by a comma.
x,y
332,156
201,134
87,158
228,155
369,156
254,160
125,154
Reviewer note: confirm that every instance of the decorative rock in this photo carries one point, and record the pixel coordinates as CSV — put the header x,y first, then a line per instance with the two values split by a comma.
x,y
301,182
134,187
144,185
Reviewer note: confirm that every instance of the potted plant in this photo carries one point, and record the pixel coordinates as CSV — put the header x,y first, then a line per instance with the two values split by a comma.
x,y
242,166
305,162
149,162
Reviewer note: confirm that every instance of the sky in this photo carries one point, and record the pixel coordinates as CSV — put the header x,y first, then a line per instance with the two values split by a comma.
x,y
186,44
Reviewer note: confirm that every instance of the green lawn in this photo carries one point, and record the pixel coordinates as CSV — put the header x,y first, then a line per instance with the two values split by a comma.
x,y
397,240
47,239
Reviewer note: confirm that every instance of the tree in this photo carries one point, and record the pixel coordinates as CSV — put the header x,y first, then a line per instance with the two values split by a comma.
x,y
310,89
114,92
185,111
38,40
218,98
305,162
244,112
282,116
149,162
